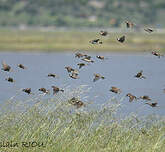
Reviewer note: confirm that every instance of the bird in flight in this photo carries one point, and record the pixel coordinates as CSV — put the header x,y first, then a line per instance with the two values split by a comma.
x,y
97,77
131,97
115,90
140,75
121,39
6,67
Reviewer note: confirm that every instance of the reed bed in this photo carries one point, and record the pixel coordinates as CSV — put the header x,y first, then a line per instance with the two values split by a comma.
x,y
57,126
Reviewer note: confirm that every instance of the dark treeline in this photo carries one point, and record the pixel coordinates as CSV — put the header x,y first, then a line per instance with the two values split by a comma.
x,y
86,13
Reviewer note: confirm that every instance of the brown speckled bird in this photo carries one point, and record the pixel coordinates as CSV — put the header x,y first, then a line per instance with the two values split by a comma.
x,y
121,39
27,90
81,65
69,69
140,75
97,77
129,24
115,90
79,55
103,33
74,74
145,97
149,30
9,79
6,67
21,66
153,104
131,97
56,90
76,102
44,90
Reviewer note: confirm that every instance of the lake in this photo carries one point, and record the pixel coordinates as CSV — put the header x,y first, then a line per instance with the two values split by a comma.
x,y
119,70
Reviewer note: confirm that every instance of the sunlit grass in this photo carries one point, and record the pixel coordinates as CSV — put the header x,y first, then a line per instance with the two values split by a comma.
x,y
64,128
31,40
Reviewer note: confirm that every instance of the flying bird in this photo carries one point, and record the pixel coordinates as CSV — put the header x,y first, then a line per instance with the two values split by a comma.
x,y
6,67
76,102
153,104
74,76
27,90
100,57
69,69
96,41
79,55
81,65
157,54
140,75
115,90
52,75
149,30
97,77
87,60
131,97
145,97
56,90
44,90
103,33
21,66
129,24
121,39
9,79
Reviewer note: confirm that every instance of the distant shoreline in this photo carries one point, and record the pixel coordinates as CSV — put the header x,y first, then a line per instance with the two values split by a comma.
x,y
59,40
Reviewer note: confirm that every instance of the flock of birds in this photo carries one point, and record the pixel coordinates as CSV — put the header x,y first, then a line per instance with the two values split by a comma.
x,y
74,73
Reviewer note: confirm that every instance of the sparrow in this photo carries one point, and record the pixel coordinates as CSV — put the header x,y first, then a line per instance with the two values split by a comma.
x,y
69,69
74,75
149,30
131,97
97,77
129,24
79,55
140,75
6,67
81,65
27,90
115,90
44,90
76,102
153,104
56,90
9,79
103,33
121,39
21,66
52,75
145,97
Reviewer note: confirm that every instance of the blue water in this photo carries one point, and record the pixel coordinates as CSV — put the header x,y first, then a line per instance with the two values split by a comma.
x,y
118,69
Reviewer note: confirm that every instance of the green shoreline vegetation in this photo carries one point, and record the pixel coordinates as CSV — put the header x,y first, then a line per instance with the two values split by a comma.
x,y
35,40
60,127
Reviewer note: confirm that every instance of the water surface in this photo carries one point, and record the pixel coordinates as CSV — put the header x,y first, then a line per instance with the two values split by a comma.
x,y
118,69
